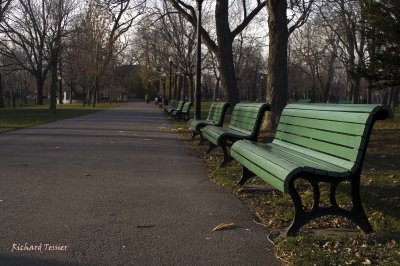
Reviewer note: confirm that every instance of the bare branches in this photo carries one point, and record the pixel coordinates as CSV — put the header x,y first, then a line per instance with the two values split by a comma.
x,y
248,18
4,8
304,7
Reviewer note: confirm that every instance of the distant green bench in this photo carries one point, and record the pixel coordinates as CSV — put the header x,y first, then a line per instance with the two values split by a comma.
x,y
344,102
304,100
318,143
183,113
245,123
178,105
216,116
172,104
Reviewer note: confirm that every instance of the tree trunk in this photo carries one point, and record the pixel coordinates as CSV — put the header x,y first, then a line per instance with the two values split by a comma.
x,y
277,61
390,96
53,86
369,91
13,102
59,78
396,96
356,89
216,90
39,87
329,78
225,51
191,82
1,92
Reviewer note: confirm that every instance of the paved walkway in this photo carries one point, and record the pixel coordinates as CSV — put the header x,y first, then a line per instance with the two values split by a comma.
x,y
117,188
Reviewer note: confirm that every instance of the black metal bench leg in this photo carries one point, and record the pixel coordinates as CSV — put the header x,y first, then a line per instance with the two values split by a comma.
x,y
227,157
358,215
246,176
300,217
210,148
194,133
201,139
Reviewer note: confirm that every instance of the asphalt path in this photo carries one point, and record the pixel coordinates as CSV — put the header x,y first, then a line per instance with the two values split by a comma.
x,y
117,187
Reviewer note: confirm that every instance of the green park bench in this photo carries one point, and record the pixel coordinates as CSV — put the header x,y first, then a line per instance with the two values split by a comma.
x,y
304,100
183,113
172,104
344,102
216,116
245,123
318,143
176,107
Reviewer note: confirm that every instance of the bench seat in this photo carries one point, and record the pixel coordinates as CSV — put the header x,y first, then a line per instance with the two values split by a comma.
x,y
277,164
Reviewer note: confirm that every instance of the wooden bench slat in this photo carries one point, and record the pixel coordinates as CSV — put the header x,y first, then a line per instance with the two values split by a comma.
x,y
308,162
350,154
271,179
333,137
242,126
261,154
364,108
322,156
340,116
342,127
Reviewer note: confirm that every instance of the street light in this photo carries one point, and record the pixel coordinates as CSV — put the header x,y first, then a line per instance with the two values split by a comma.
x,y
170,77
197,114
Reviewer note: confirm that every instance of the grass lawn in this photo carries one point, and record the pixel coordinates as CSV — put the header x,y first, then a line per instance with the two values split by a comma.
x,y
13,119
329,240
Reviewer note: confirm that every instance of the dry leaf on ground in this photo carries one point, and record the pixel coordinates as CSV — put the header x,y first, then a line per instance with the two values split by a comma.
x,y
223,226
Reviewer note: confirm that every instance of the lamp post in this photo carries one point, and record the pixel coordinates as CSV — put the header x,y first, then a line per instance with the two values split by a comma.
x,y
197,114
170,77
164,77
262,87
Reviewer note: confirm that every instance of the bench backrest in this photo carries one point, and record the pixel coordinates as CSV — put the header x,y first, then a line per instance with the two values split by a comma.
x,y
179,105
217,112
171,104
306,100
186,107
247,117
337,134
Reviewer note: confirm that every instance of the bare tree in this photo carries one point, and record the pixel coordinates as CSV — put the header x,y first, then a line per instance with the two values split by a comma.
x,y
4,7
31,34
163,43
343,18
222,45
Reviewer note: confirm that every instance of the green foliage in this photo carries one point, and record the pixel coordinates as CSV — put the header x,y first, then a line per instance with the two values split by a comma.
x,y
383,34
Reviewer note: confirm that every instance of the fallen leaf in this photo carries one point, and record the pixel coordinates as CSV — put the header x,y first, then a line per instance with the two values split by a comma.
x,y
223,226
366,262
